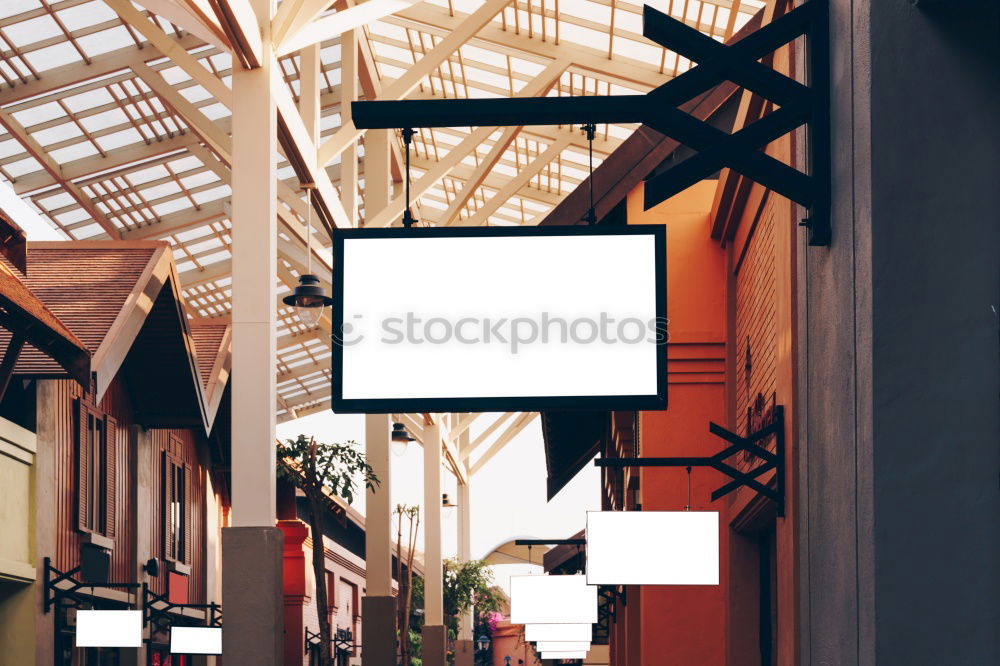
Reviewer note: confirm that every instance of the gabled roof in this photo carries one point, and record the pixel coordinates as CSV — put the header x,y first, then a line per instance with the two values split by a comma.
x,y
92,287
116,296
213,340
22,313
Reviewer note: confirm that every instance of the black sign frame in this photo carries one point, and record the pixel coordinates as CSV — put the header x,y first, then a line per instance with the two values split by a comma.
x,y
650,402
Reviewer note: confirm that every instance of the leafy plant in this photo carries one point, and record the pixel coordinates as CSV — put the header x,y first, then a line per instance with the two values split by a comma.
x,y
467,586
405,576
322,472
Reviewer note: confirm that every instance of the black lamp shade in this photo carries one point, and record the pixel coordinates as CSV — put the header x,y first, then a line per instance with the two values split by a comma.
x,y
308,299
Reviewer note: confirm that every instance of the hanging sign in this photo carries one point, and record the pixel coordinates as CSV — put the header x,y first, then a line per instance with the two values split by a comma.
x,y
196,640
457,319
552,600
653,547
562,646
564,655
109,628
558,632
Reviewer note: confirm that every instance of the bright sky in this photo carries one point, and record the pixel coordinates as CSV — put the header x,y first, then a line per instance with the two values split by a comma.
x,y
508,494
26,217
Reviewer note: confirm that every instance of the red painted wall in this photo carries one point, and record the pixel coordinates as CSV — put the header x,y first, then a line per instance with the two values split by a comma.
x,y
685,625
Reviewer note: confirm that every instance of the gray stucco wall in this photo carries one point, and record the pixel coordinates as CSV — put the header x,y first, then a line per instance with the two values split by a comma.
x,y
901,389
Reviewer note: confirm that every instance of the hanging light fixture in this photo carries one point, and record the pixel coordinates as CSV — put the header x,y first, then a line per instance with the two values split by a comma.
x,y
400,439
308,298
447,506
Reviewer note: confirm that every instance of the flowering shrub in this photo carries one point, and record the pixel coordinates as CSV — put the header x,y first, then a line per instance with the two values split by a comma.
x,y
493,618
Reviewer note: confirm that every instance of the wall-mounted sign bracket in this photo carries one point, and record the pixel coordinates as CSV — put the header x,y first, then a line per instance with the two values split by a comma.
x,y
550,542
156,609
52,578
343,642
794,104
753,446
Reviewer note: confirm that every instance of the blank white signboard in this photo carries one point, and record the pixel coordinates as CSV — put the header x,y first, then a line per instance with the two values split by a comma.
x,y
109,628
558,632
562,646
653,547
498,319
196,640
552,600
564,655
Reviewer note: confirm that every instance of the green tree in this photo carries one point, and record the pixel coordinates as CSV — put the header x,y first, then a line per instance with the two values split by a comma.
x,y
467,586
322,472
404,575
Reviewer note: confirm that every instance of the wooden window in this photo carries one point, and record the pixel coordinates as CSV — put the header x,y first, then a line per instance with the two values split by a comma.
x,y
176,483
97,470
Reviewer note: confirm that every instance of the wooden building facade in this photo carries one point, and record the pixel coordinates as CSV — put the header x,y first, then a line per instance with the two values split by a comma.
x,y
128,470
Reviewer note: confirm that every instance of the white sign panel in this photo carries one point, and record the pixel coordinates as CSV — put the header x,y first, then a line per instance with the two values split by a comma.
x,y
558,632
109,628
552,600
653,547
499,319
562,646
196,640
564,655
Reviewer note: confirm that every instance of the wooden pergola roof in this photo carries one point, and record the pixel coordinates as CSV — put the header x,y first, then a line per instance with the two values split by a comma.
x,y
115,119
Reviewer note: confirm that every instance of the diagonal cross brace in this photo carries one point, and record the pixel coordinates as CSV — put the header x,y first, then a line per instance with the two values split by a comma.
x,y
796,105
750,444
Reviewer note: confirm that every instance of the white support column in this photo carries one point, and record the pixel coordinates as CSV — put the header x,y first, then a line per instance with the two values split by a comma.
x,y
378,180
349,93
252,578
465,647
255,238
434,635
378,607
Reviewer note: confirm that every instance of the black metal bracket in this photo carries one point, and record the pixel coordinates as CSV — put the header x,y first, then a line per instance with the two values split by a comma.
x,y
795,104
342,639
312,640
52,577
159,616
550,542
752,445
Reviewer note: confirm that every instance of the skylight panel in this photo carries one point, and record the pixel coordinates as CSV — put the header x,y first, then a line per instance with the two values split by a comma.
x,y
106,120
62,132
212,194
125,137
38,114
90,231
185,163
54,56
32,31
105,41
637,50
86,14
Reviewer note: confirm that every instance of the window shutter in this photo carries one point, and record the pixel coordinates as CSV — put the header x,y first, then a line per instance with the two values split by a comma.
x,y
187,513
82,469
111,475
167,481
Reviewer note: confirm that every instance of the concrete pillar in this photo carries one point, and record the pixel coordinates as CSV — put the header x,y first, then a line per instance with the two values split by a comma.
x,y
251,549
435,637
378,607
898,330
464,646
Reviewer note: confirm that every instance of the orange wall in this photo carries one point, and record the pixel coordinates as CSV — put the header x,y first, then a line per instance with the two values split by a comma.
x,y
686,625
